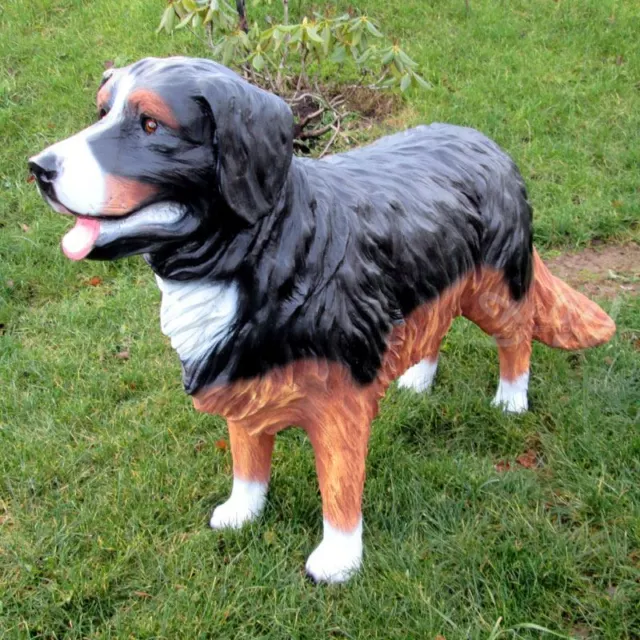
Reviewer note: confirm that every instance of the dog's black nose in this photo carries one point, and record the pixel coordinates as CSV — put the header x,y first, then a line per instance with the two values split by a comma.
x,y
44,170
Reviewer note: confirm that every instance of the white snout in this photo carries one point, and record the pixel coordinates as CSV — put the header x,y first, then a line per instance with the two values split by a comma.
x,y
80,181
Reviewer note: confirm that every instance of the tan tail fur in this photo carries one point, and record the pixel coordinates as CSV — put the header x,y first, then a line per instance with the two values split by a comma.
x,y
563,317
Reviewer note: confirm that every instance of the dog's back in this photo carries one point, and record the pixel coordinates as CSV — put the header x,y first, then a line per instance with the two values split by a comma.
x,y
440,199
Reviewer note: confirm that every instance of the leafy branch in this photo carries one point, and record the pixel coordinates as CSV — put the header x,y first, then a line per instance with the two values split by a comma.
x,y
286,58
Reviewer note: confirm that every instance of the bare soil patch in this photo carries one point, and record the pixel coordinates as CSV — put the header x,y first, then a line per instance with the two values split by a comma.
x,y
602,272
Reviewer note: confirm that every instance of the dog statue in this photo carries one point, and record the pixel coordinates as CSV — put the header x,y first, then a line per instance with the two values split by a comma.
x,y
296,290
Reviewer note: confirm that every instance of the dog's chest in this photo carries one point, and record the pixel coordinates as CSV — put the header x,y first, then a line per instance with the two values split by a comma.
x,y
197,315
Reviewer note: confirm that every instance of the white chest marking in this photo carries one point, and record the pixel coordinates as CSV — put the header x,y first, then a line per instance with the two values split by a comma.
x,y
197,315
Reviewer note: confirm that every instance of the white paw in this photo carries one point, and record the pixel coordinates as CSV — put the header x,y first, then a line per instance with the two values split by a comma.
x,y
512,396
420,377
337,557
245,504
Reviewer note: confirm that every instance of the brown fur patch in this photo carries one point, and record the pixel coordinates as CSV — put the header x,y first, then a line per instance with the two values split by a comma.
x,y
336,412
565,318
488,303
151,104
251,453
125,195
103,97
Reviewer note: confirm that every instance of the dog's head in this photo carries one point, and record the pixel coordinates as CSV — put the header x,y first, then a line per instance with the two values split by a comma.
x,y
181,148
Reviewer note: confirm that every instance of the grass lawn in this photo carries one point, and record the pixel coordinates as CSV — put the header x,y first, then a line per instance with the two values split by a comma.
x,y
108,476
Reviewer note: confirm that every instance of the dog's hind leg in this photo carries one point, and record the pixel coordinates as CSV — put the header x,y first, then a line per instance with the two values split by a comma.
x,y
251,469
510,322
514,376
429,327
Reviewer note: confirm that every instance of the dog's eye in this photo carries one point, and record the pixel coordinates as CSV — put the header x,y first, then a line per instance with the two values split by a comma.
x,y
102,113
149,125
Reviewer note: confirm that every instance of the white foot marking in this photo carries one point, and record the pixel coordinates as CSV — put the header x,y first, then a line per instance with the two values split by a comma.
x,y
338,556
420,377
245,503
512,395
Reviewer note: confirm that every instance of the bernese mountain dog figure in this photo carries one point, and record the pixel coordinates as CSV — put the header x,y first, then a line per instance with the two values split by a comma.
x,y
296,290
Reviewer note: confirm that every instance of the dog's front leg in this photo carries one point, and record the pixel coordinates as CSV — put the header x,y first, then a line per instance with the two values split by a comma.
x,y
340,447
251,469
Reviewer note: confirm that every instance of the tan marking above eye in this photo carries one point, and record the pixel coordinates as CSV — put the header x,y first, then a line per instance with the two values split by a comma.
x,y
150,104
103,97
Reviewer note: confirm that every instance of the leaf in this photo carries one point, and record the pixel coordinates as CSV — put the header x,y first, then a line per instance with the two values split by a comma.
x,y
168,20
123,355
406,59
95,281
296,34
420,81
405,83
387,57
258,62
244,38
387,83
227,52
502,465
326,39
372,30
221,445
312,34
339,55
25,227
528,460
369,51
197,21
541,629
185,21
142,594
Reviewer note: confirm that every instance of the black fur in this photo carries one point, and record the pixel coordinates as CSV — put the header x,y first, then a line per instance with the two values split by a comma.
x,y
328,254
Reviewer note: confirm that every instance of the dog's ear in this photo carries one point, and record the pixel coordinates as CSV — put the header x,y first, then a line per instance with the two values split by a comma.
x,y
253,133
106,76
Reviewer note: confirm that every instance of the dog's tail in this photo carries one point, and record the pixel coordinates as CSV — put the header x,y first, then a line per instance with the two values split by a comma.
x,y
563,317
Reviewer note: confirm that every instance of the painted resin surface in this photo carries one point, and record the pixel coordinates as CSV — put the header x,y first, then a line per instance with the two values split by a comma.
x,y
295,290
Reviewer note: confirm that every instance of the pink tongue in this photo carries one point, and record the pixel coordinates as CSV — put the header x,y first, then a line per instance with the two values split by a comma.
x,y
79,242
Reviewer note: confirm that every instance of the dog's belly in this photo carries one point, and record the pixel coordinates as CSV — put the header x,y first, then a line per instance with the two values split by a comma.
x,y
302,392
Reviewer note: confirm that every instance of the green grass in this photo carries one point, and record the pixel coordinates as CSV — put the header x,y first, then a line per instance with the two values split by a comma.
x,y
108,475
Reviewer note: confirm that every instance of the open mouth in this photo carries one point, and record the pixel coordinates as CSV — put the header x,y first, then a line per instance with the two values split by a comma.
x,y
136,232
79,242
82,238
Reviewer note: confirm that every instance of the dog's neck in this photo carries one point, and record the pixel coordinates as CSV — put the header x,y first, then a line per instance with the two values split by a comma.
x,y
230,279
198,316
225,249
